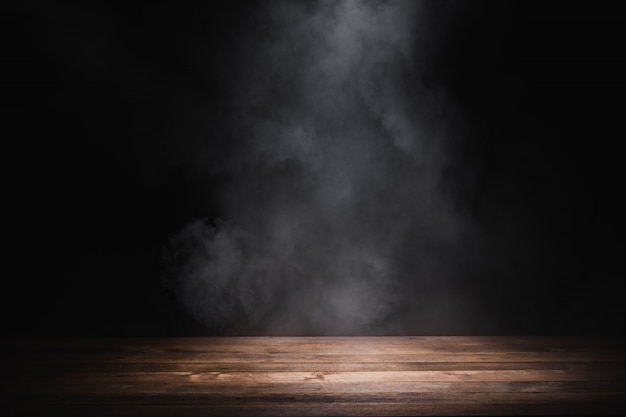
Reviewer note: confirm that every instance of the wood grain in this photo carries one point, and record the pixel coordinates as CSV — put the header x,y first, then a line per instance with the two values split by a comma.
x,y
314,376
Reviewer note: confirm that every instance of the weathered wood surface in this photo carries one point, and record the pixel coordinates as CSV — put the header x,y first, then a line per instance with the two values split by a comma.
x,y
309,376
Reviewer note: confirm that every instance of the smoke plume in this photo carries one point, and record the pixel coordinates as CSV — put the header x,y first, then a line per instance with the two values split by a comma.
x,y
331,150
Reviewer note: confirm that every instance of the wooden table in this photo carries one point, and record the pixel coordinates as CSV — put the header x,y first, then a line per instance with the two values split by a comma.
x,y
305,376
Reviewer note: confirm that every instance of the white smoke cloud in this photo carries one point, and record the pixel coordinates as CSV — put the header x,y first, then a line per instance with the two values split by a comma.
x,y
335,186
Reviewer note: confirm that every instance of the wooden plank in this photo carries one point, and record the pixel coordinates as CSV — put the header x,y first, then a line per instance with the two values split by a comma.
x,y
330,378
238,357
274,399
388,392
393,345
325,409
43,366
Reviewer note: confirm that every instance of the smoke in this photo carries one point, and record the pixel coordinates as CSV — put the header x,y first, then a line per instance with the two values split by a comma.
x,y
331,150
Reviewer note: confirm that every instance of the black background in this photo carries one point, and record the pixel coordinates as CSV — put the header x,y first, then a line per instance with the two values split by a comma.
x,y
94,101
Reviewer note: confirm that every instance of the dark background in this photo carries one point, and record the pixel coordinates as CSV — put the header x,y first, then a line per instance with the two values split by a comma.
x,y
95,99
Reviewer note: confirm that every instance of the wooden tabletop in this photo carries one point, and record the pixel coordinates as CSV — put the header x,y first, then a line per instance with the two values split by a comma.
x,y
310,376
